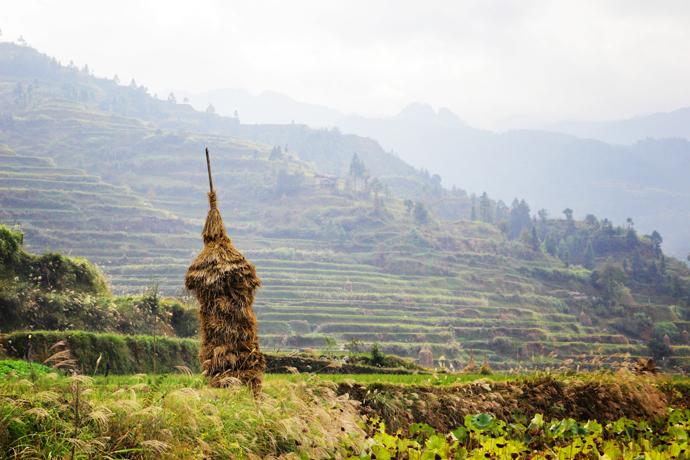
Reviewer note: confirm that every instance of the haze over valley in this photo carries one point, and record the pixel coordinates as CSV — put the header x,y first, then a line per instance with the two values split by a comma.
x,y
619,169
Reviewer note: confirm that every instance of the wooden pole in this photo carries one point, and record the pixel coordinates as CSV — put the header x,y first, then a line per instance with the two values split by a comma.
x,y
208,165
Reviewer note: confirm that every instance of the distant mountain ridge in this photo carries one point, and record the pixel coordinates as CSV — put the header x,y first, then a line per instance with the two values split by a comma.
x,y
674,124
646,180
274,107
618,169
267,107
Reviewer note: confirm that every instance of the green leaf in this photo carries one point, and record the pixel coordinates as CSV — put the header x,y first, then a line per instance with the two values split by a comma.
x,y
536,422
480,421
461,434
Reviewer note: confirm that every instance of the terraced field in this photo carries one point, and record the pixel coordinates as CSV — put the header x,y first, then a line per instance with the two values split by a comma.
x,y
313,289
131,196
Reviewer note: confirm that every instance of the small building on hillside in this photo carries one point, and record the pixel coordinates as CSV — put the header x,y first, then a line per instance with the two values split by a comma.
x,y
326,181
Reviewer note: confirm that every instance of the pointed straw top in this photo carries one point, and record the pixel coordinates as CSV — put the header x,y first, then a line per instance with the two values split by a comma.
x,y
214,229
219,267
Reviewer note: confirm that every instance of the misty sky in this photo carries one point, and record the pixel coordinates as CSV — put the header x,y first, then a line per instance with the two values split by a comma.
x,y
491,62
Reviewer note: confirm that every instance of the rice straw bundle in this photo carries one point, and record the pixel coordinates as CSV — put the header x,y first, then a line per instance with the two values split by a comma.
x,y
224,283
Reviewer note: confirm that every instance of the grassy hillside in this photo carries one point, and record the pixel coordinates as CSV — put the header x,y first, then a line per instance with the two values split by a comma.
x,y
107,172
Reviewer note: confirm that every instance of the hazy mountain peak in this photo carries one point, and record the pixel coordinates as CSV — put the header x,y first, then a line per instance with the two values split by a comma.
x,y
424,113
417,110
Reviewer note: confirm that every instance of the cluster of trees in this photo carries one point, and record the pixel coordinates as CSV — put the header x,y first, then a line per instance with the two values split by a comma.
x,y
572,242
628,258
582,243
358,173
513,220
485,210
431,185
362,183
23,93
417,210
77,84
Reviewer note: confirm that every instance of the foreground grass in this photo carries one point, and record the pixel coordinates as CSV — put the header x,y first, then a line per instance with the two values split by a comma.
x,y
55,416
44,414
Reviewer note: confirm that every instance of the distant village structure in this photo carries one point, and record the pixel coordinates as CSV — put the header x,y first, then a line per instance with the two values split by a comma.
x,y
326,181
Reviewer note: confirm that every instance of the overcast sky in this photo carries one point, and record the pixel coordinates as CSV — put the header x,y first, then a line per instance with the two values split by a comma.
x,y
488,61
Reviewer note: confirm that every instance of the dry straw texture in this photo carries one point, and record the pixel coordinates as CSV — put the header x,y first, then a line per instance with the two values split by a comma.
x,y
224,282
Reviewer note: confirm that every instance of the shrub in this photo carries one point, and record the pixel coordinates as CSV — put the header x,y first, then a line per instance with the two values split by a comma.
x,y
119,354
486,368
665,328
377,357
10,244
184,320
658,349
57,272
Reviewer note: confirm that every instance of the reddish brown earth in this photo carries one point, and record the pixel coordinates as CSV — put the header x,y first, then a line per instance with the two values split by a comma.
x,y
444,407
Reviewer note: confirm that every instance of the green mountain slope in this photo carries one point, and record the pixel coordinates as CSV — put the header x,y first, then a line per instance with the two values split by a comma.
x,y
107,172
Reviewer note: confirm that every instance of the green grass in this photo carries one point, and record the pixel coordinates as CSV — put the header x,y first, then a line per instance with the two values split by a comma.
x,y
9,367
164,417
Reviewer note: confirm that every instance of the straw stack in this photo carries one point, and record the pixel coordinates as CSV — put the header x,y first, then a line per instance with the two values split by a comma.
x,y
224,283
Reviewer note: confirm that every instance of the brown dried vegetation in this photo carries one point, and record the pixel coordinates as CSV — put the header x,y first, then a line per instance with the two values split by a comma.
x,y
597,397
224,283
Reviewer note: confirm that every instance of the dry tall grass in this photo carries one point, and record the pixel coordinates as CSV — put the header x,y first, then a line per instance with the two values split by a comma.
x,y
173,417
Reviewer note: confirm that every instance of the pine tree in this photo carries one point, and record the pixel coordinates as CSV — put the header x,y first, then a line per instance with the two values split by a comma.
x,y
519,218
357,170
569,219
535,239
656,242
473,215
589,256
551,244
421,214
564,253
485,211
